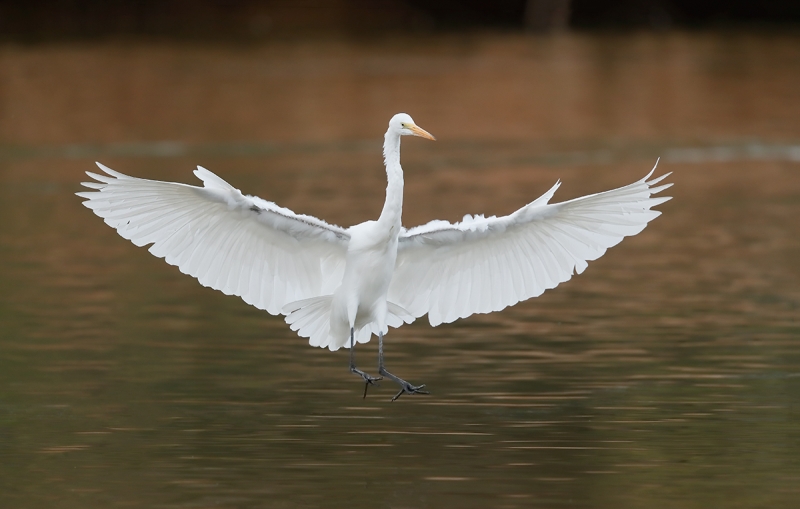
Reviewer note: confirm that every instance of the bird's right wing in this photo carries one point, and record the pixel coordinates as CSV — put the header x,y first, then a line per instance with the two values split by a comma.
x,y
241,245
451,271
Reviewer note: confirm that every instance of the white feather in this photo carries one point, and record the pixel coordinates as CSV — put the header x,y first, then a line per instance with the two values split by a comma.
x,y
503,260
241,245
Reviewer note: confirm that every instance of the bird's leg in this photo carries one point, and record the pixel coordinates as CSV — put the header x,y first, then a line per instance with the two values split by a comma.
x,y
369,380
407,388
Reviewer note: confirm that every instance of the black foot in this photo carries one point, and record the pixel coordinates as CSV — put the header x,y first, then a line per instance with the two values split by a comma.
x,y
407,388
410,389
369,380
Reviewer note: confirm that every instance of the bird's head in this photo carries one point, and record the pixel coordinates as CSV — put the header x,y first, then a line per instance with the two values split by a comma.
x,y
404,125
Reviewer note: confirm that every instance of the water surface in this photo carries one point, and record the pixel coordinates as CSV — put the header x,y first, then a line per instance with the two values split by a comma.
x,y
666,375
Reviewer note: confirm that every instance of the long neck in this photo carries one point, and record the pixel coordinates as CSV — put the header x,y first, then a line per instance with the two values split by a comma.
x,y
393,207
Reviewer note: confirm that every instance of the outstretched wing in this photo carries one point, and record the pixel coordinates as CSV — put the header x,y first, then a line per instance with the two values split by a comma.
x,y
480,265
241,245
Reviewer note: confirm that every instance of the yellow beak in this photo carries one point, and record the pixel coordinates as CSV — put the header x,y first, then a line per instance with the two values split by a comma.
x,y
422,133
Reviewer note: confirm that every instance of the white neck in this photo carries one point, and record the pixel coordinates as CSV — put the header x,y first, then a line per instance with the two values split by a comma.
x,y
393,207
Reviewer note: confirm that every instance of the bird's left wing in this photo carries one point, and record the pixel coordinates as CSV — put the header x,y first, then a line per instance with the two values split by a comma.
x,y
241,245
479,265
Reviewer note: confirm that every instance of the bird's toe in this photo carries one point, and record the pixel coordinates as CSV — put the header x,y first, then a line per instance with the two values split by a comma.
x,y
407,388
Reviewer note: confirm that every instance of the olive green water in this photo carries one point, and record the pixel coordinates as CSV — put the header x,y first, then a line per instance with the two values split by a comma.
x,y
667,375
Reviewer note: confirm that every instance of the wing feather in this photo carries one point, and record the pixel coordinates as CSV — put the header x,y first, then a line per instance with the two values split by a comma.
x,y
238,244
479,265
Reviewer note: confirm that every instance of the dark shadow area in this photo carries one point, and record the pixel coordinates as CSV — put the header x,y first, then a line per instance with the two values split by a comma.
x,y
245,20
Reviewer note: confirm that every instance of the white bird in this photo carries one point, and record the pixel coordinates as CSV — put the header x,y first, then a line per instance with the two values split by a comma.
x,y
340,286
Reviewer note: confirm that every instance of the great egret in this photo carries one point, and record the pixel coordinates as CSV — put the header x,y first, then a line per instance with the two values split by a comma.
x,y
342,285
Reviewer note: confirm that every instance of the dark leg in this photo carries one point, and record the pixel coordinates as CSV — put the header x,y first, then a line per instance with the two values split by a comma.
x,y
369,380
407,388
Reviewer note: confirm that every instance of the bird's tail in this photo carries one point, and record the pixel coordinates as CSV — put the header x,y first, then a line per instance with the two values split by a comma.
x,y
311,318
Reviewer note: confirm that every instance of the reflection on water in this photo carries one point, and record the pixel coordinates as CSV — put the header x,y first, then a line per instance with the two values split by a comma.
x,y
668,372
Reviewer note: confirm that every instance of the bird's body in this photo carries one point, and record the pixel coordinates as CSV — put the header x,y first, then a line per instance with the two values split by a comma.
x,y
361,297
339,286
371,255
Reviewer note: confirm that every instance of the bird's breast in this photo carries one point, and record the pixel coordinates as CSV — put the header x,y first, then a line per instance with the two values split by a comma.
x,y
373,237
371,256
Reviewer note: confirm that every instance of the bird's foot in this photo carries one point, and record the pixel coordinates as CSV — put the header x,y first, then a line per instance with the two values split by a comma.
x,y
406,388
410,389
368,380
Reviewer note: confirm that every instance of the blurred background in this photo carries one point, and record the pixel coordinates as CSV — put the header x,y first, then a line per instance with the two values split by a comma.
x,y
260,20
666,375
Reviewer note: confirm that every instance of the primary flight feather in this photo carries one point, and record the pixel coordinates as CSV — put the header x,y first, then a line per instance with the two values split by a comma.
x,y
339,286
